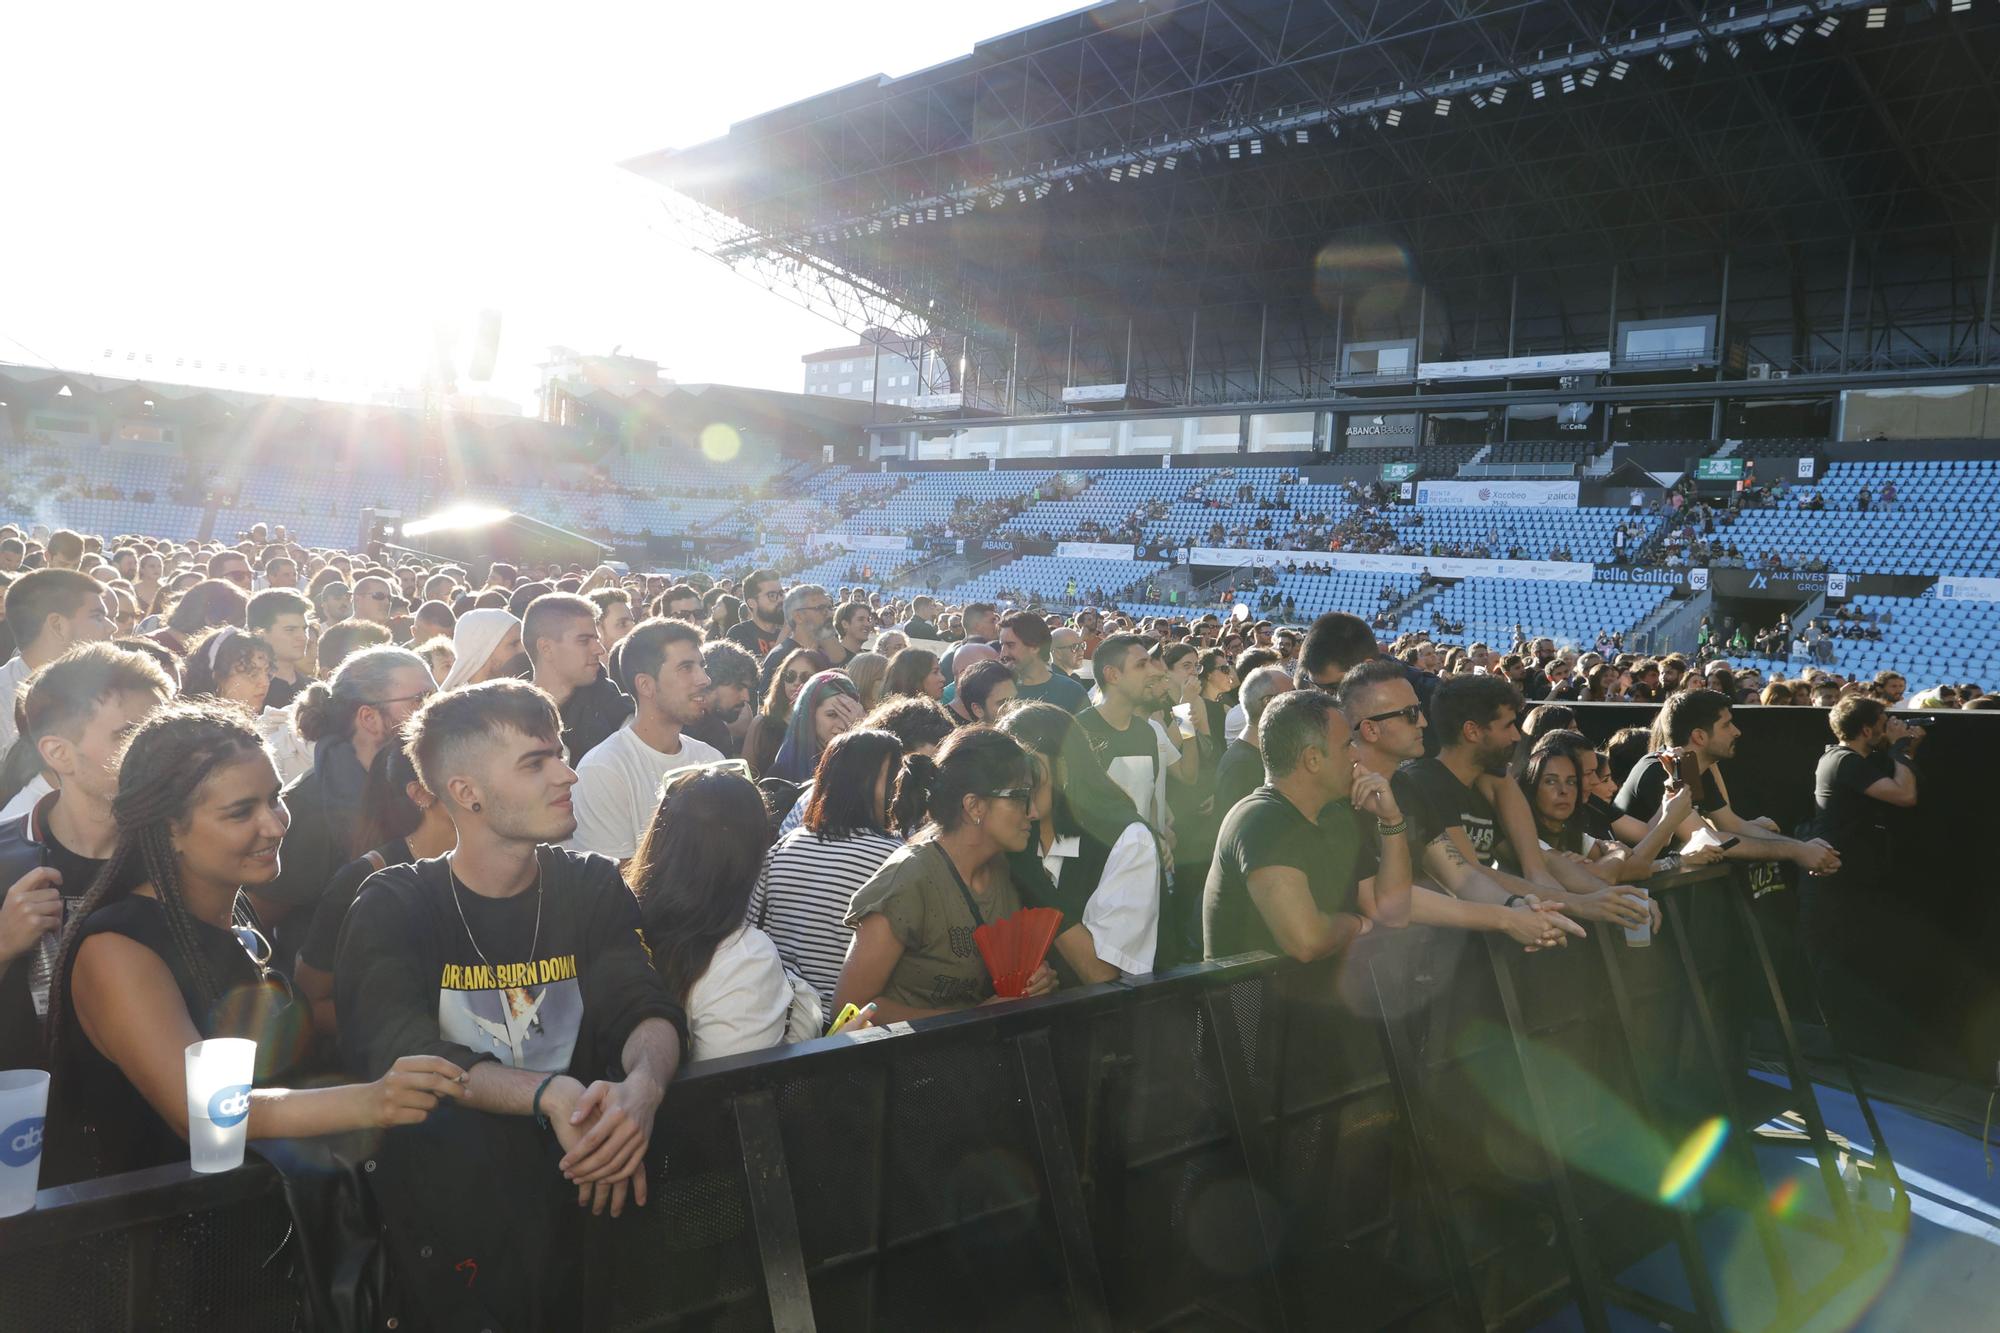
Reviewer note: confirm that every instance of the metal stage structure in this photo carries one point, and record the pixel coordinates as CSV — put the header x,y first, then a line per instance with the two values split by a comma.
x,y
1228,205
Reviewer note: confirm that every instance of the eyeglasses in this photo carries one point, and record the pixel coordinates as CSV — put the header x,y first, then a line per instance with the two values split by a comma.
x,y
400,699
792,678
1410,713
1025,795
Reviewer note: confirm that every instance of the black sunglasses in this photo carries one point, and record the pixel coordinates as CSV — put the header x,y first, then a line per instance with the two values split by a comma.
x,y
1024,795
1410,713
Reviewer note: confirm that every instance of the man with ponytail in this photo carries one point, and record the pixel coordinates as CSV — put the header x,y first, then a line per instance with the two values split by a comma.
x,y
522,963
164,953
79,709
347,722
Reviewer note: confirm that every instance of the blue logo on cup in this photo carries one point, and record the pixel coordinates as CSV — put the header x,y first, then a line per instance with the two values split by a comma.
x,y
21,1142
230,1105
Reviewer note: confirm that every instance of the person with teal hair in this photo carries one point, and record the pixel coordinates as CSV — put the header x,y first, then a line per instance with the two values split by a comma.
x,y
827,705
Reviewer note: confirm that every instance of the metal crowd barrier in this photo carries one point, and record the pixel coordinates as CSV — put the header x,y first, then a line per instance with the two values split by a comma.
x,y
1434,1130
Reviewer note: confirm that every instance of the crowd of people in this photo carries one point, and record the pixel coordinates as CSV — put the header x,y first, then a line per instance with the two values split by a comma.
x,y
481,857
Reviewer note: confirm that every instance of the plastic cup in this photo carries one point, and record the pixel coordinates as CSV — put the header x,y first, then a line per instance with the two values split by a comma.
x,y
24,1103
219,1074
1640,937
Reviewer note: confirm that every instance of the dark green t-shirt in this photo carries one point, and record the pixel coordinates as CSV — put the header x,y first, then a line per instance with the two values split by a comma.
x,y
1265,829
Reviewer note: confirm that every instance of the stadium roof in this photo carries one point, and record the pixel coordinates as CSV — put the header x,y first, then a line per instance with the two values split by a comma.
x,y
1134,157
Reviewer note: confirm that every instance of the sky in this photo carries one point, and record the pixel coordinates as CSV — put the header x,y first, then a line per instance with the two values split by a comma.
x,y
321,188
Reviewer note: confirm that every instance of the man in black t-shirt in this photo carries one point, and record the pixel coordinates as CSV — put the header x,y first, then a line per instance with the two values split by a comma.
x,y
522,964
1240,771
1388,725
764,599
1696,730
1283,878
807,609
79,710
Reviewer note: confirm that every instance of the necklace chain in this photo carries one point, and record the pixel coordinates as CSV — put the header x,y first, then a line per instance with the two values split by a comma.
x,y
532,943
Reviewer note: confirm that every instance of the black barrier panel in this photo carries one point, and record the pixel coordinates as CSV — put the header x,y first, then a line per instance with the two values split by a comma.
x,y
1936,1004
1433,1130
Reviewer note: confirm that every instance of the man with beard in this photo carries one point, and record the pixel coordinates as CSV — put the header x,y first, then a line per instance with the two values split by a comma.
x,y
522,964
1025,646
559,633
732,697
1692,734
806,610
1137,752
618,782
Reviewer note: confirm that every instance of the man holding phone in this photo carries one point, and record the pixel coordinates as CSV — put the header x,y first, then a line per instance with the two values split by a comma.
x,y
1693,733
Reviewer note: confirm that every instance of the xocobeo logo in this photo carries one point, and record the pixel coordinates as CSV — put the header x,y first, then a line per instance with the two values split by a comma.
x,y
230,1105
21,1142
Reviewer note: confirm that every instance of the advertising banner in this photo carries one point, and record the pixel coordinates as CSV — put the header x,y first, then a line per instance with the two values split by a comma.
x,y
1798,586
849,541
1094,550
1658,578
1511,367
1954,589
1444,567
1718,469
1500,494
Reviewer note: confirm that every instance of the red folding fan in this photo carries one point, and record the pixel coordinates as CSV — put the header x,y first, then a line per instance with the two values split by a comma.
x,y
1014,946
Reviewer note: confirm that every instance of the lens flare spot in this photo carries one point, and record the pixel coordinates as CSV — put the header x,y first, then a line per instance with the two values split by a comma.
x,y
1692,1159
720,443
1785,1198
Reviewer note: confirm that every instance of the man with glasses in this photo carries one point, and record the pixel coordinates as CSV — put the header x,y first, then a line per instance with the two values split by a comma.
x,y
1066,651
49,611
806,610
230,565
1388,727
763,599
559,634
374,599
618,782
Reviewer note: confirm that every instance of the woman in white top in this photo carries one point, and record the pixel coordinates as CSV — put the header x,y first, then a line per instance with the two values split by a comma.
x,y
841,841
693,877
1093,857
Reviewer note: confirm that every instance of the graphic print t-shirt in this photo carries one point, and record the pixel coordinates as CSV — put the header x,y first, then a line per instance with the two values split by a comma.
x,y
414,978
1441,801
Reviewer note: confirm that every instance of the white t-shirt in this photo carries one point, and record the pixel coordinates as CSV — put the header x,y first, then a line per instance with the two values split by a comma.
x,y
618,790
1123,912
1146,783
13,675
1234,723
24,800
742,1001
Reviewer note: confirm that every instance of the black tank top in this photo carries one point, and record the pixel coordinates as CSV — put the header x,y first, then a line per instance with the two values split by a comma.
x,y
98,1123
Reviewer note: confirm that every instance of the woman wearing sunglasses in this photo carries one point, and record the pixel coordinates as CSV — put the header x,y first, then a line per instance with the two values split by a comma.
x,y
913,954
164,953
767,729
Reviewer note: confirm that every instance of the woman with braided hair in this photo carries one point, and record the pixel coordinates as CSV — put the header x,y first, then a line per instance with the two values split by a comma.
x,y
159,956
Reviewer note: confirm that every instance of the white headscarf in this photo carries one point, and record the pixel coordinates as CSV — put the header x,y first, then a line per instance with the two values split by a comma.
x,y
478,633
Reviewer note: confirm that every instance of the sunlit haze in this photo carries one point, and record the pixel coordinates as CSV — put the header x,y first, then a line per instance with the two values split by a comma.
x,y
316,189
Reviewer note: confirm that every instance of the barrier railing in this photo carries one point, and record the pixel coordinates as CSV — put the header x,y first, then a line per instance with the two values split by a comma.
x,y
1432,1128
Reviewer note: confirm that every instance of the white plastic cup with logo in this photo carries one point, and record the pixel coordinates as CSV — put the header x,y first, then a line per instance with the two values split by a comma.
x,y
1641,936
24,1104
219,1075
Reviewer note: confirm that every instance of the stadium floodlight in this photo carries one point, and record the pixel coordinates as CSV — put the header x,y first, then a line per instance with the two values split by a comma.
x,y
1498,95
1443,107
1395,117
1878,19
1173,160
1569,83
1701,54
1538,90
1666,60
1827,25
1069,186
1256,148
1621,69
1118,173
1301,135
1150,166
1479,101
1023,195
1235,152
933,213
1960,6
1590,77
1798,30
1770,41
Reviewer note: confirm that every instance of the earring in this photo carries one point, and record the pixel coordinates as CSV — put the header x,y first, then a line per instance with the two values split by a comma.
x,y
475,807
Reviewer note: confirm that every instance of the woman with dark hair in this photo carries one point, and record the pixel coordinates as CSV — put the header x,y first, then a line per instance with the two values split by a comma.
x,y
725,612
913,954
827,705
693,876
162,953
842,839
767,729
231,665
1554,784
164,598
1093,857
209,603
914,671
400,822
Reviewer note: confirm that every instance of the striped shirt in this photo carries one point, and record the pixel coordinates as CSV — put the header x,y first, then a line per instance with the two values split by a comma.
x,y
803,895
